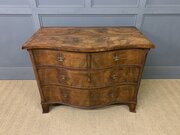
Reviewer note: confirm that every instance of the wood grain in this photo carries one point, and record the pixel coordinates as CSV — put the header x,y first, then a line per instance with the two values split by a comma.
x,y
88,39
88,67
60,58
92,98
88,79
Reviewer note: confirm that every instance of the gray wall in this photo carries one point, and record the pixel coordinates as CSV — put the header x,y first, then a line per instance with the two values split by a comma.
x,y
157,19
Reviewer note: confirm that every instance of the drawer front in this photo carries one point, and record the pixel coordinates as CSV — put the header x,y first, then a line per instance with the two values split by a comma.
x,y
110,77
126,93
115,58
125,75
60,58
72,78
85,79
66,95
89,98
52,94
119,94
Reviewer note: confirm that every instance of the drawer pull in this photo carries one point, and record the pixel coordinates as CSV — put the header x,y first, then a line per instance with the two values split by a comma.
x,y
114,77
116,58
89,78
112,95
61,58
65,95
63,77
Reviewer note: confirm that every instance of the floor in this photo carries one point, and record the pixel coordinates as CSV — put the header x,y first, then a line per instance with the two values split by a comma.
x,y
158,113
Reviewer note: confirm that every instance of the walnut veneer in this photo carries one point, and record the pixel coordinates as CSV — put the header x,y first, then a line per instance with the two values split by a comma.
x,y
88,67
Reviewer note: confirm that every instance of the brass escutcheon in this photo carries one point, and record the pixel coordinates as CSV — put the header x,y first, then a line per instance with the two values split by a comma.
x,y
61,58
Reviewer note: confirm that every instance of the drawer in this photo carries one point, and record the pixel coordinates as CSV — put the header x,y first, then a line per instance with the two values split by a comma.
x,y
51,93
114,76
72,78
65,95
125,93
125,75
89,98
119,94
91,79
115,58
60,58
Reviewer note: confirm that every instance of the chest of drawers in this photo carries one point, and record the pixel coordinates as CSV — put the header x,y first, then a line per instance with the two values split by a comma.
x,y
88,67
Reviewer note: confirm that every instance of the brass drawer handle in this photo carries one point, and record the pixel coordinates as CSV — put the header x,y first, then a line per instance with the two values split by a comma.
x,y
116,58
63,77
65,95
89,78
61,58
112,95
114,77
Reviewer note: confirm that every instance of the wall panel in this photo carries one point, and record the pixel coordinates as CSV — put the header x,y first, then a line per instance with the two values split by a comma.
x,y
158,19
115,3
14,31
166,36
88,20
9,3
162,3
60,3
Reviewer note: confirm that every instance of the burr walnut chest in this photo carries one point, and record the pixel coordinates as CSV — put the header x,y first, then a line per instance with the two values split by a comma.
x,y
88,67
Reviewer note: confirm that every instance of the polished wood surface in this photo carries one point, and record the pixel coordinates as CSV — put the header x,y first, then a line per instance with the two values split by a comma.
x,y
88,39
66,59
89,98
88,79
88,67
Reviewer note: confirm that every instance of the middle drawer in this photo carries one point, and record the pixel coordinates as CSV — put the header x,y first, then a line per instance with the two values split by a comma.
x,y
88,79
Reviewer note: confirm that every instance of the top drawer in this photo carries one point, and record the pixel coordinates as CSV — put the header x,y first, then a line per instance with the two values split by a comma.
x,y
99,60
117,58
60,58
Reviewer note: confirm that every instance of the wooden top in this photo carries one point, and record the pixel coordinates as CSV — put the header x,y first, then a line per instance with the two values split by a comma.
x,y
87,39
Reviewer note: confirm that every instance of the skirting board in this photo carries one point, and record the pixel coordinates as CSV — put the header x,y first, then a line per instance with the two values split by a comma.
x,y
16,73
150,72
161,72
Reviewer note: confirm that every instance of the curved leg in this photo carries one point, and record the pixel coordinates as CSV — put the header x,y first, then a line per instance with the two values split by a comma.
x,y
132,107
45,107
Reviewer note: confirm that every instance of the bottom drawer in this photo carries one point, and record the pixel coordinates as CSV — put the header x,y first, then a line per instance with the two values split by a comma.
x,y
89,98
